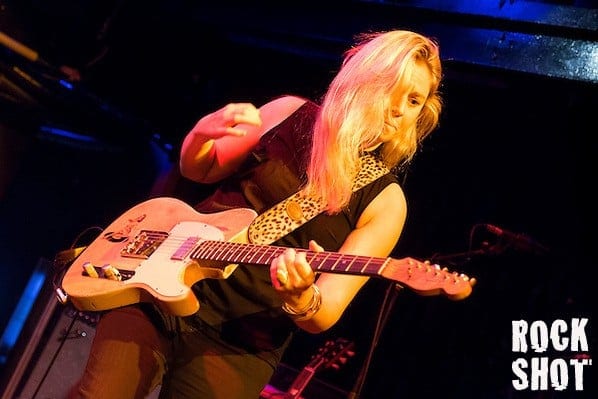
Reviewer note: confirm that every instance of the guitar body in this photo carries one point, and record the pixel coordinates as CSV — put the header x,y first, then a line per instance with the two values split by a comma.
x,y
149,241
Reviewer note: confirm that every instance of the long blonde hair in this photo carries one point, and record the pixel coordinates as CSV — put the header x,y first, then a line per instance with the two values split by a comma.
x,y
357,104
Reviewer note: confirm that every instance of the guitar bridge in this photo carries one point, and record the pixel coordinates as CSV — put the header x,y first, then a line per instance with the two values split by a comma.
x,y
144,244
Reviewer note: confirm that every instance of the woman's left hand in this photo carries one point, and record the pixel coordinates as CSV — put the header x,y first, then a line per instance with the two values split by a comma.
x,y
292,275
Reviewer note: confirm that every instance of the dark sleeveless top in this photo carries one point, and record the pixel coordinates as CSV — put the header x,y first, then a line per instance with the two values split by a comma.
x,y
244,309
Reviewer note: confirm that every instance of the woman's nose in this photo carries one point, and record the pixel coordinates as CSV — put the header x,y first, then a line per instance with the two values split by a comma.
x,y
399,109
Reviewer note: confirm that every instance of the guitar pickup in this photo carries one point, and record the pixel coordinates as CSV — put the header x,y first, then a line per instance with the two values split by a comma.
x,y
185,248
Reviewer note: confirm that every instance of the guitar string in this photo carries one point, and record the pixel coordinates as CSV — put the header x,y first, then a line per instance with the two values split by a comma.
x,y
175,242
334,262
221,250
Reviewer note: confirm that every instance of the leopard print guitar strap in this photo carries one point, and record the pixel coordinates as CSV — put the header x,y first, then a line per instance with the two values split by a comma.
x,y
297,209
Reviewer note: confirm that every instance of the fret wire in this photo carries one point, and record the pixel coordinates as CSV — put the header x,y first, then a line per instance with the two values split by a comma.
x,y
329,262
373,266
220,250
209,250
346,261
252,253
243,254
199,250
262,255
224,250
317,258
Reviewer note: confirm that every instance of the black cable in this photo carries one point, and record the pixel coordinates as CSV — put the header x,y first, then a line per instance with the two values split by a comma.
x,y
64,258
54,357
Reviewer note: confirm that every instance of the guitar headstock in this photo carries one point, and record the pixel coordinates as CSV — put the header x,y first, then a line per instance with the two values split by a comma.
x,y
333,354
428,279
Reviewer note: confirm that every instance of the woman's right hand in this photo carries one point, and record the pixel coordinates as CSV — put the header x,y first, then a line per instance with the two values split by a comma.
x,y
220,141
226,121
229,126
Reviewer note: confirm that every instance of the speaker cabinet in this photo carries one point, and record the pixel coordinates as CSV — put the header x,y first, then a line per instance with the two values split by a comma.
x,y
51,350
60,359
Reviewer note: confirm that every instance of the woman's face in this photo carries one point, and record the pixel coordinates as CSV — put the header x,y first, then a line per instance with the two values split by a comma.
x,y
407,104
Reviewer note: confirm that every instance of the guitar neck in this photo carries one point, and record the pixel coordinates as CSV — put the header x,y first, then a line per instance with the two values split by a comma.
x,y
231,252
300,382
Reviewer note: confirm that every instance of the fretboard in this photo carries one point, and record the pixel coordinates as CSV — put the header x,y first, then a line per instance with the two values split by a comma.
x,y
231,252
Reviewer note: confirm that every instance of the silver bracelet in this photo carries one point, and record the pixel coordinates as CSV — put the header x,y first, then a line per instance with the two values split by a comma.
x,y
307,312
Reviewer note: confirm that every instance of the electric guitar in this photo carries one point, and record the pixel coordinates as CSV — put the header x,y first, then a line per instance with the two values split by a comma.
x,y
332,355
159,248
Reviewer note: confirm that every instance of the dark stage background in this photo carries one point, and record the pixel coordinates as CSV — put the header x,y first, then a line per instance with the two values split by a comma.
x,y
516,149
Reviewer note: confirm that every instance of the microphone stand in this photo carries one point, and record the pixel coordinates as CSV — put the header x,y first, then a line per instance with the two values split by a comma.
x,y
389,300
487,249
390,296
